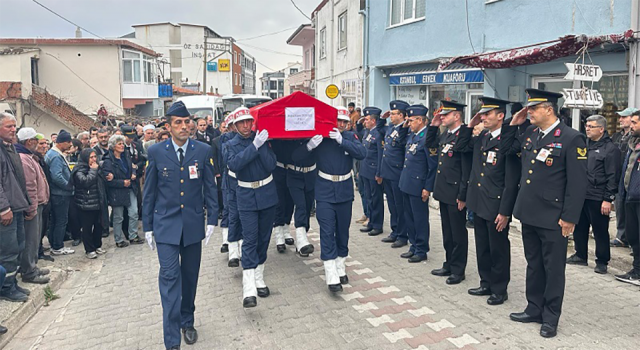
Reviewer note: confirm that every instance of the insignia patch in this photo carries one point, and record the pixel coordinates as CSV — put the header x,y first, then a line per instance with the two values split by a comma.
x,y
557,133
421,134
549,161
433,151
582,153
211,161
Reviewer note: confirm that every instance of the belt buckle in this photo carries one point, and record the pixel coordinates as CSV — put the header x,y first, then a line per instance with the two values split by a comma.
x,y
255,184
335,178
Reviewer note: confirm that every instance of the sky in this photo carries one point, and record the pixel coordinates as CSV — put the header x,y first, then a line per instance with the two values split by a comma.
x,y
239,19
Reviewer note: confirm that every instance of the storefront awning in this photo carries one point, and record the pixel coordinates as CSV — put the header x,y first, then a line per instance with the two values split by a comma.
x,y
569,45
453,74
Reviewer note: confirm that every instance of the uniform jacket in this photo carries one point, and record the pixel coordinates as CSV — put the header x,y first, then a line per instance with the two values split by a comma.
x,y
11,194
372,141
420,165
61,184
604,165
35,180
228,182
251,164
117,193
453,163
297,179
173,203
393,154
551,187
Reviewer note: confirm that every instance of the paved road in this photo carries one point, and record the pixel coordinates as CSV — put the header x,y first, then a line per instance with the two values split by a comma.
x,y
389,304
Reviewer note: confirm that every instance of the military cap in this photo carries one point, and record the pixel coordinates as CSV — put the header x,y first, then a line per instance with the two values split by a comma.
x,y
128,131
343,114
491,103
417,110
450,106
372,111
241,113
399,105
178,109
536,96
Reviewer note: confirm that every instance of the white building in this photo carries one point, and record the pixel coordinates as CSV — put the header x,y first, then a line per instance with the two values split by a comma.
x,y
304,79
338,48
273,84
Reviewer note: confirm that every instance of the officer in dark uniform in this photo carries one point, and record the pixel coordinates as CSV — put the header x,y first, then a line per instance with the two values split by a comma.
x,y
334,196
416,183
220,167
395,137
493,187
370,170
180,182
451,186
552,192
284,209
251,159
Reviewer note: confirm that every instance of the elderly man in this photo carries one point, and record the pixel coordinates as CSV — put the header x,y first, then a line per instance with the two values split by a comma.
x,y
84,138
148,137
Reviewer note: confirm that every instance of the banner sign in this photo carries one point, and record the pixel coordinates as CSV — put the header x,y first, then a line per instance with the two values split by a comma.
x,y
582,98
435,78
299,118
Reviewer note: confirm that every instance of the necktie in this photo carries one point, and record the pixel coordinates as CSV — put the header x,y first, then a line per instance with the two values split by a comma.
x,y
181,155
540,136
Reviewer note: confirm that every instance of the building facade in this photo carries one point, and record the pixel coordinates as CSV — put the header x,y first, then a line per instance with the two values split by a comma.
x,y
304,77
273,84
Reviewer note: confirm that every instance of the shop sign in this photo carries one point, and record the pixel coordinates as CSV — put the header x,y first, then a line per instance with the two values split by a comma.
x,y
582,98
446,77
212,66
583,72
224,65
332,91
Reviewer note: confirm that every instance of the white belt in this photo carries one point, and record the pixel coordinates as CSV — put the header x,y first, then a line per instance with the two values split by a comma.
x,y
281,165
255,184
231,173
334,178
301,169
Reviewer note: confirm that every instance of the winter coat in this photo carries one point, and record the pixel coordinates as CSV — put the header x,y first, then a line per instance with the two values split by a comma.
x,y
90,193
36,181
117,194
11,194
61,184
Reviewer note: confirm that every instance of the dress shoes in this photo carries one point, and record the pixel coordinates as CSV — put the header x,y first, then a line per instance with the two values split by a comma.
x,y
375,232
417,258
233,263
344,279
14,295
601,269
576,260
406,255
366,229
497,299
263,292
480,291
524,317
3,330
388,239
224,248
455,279
288,241
335,288
190,335
398,244
548,331
441,272
281,248
249,302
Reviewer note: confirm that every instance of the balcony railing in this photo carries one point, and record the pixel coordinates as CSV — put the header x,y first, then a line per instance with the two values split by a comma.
x,y
301,79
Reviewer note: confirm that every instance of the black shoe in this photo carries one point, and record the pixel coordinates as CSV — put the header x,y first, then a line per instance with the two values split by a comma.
x,y
480,291
224,248
344,279
136,240
75,243
3,330
15,296
190,335
441,272
263,292
469,224
601,269
281,248
548,331
23,290
576,260
496,299
366,229
375,232
249,302
455,279
399,244
335,288
629,277
105,235
46,257
122,244
233,263
417,258
524,317
306,250
38,279
288,241
406,255
388,239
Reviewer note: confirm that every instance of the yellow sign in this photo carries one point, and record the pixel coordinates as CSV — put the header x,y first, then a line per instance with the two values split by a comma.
x,y
332,91
224,65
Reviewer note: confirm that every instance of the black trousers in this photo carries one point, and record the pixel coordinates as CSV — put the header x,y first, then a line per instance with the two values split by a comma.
x,y
303,201
546,254
592,216
493,251
91,222
632,212
74,226
455,238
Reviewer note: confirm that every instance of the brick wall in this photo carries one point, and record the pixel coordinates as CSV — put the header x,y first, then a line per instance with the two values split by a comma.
x,y
10,90
65,112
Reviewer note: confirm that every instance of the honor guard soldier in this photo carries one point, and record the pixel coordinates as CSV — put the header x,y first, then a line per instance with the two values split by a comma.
x,y
393,155
493,187
234,236
416,183
180,182
451,186
552,192
334,196
284,209
370,170
220,167
253,162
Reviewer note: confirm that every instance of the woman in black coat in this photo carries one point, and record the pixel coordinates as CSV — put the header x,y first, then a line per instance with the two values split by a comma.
x,y
90,199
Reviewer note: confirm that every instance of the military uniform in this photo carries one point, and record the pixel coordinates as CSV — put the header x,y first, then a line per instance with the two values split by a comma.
x,y
391,165
230,186
284,209
301,181
175,195
369,170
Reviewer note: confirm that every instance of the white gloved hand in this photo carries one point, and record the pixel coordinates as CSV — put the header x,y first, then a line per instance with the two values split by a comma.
x,y
336,135
149,237
314,142
260,139
208,233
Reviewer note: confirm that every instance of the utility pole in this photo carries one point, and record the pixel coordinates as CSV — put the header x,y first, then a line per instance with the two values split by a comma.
x,y
204,74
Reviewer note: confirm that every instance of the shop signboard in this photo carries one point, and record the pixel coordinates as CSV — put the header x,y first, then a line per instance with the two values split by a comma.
x,y
438,78
582,98
583,72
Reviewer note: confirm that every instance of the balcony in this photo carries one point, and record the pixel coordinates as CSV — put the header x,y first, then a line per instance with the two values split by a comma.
x,y
302,81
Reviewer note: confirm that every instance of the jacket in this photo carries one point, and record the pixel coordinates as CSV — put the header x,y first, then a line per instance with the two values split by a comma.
x,y
90,192
61,184
603,169
117,193
454,159
621,140
35,180
630,179
11,195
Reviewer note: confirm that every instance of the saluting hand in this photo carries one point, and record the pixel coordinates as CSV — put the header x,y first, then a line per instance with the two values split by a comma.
x,y
520,117
567,227
437,120
476,120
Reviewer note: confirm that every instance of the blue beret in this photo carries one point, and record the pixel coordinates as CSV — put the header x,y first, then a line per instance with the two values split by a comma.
x,y
417,110
399,105
178,109
372,111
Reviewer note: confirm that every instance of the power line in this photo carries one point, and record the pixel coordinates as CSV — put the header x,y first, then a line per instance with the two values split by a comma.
x,y
263,35
466,11
272,51
296,6
55,13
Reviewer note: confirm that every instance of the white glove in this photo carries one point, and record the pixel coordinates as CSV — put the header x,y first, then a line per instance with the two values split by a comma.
x,y
149,237
260,138
336,135
208,234
314,142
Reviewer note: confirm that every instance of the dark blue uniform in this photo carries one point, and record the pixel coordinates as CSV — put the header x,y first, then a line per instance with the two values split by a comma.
x,y
301,180
393,157
230,184
284,209
173,208
369,170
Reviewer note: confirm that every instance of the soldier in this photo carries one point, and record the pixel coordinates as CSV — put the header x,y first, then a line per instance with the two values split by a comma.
x,y
451,186
230,184
253,163
395,137
493,187
284,209
552,192
370,172
334,196
220,167
179,183
416,183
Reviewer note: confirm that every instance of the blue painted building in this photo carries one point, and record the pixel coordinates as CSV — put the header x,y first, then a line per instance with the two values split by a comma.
x,y
405,40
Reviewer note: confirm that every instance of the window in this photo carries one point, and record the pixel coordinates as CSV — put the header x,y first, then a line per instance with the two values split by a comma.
x,y
293,71
149,69
235,77
273,85
342,31
235,57
406,11
131,67
323,43
35,79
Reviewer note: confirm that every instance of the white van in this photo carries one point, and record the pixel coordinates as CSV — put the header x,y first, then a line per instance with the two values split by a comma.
x,y
201,106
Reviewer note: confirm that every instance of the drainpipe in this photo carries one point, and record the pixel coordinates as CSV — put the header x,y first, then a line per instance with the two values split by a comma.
x,y
634,64
365,53
333,53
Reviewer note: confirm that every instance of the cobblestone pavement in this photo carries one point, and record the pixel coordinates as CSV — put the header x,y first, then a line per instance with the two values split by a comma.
x,y
389,304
